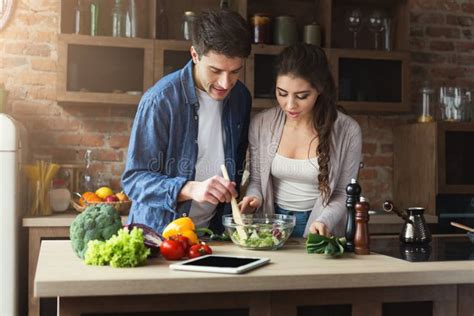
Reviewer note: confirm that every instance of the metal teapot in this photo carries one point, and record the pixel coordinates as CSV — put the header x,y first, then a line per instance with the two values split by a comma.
x,y
415,230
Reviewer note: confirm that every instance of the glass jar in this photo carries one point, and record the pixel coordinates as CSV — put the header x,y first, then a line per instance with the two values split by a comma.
x,y
454,104
59,196
260,28
187,26
131,21
118,20
426,111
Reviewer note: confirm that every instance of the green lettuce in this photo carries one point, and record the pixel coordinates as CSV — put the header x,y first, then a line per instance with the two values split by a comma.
x,y
126,249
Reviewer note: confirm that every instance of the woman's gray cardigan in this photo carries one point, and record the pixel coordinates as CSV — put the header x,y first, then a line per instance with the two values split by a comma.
x,y
345,155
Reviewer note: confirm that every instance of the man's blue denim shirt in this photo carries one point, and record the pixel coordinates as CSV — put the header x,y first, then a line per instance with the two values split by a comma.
x,y
163,148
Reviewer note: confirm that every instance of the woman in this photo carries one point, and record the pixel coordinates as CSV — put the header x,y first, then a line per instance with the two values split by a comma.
x,y
304,152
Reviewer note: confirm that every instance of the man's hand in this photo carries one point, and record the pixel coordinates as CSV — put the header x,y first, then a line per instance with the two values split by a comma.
x,y
214,190
319,228
249,204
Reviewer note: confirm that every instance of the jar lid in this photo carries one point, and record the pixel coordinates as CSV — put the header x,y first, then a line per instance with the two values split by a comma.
x,y
189,13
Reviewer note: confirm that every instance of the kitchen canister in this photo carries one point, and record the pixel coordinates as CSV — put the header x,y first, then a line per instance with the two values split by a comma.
x,y
285,31
260,23
312,34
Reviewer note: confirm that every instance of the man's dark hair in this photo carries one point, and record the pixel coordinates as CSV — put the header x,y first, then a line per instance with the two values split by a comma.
x,y
224,32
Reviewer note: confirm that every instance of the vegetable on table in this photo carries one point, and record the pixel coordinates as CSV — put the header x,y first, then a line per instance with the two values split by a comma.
x,y
330,246
181,236
152,239
124,250
172,249
95,223
199,250
214,236
182,226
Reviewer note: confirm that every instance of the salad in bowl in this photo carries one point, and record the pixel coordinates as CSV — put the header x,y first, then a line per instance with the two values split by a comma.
x,y
260,231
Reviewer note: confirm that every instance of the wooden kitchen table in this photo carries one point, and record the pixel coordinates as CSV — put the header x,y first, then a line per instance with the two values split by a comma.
x,y
41,228
294,282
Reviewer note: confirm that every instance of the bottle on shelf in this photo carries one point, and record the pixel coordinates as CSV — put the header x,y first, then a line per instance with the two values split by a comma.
x,y
188,21
95,17
426,111
118,20
87,178
161,21
102,180
131,19
80,12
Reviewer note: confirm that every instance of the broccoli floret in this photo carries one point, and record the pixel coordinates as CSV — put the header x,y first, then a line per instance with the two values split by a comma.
x,y
95,223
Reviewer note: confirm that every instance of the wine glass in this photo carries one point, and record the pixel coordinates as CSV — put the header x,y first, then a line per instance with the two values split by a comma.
x,y
376,25
354,23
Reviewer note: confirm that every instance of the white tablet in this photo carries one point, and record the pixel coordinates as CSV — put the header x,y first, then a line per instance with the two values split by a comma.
x,y
220,264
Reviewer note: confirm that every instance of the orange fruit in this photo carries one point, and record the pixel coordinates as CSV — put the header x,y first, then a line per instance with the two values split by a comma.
x,y
84,197
93,198
122,196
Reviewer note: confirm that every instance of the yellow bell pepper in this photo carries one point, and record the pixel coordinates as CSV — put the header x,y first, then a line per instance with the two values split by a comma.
x,y
182,226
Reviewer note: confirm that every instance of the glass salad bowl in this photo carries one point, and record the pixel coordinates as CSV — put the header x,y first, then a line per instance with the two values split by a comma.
x,y
259,231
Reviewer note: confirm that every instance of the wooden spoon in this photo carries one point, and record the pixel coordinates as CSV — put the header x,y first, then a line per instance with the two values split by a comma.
x,y
469,229
235,209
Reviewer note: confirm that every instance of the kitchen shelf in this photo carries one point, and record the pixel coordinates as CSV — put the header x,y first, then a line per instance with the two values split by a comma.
x,y
103,70
169,56
395,10
169,14
165,51
371,81
145,9
260,75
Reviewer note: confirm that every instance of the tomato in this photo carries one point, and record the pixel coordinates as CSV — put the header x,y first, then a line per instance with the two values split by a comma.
x,y
183,240
199,250
172,249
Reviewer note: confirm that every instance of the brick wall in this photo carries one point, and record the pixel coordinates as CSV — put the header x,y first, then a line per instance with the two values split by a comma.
x,y
442,50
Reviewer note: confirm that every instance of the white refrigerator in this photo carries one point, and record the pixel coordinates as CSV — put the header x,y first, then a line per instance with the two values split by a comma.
x,y
12,152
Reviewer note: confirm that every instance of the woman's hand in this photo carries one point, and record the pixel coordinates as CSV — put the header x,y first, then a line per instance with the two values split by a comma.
x,y
319,228
249,204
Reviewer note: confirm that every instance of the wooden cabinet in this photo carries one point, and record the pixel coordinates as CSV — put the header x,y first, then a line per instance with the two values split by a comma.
x,y
432,162
103,70
368,80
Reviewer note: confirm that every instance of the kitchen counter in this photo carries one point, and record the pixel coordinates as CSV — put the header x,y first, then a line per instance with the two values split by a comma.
x,y
40,228
60,273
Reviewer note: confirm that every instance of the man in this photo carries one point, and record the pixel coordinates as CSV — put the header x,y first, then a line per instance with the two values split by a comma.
x,y
187,125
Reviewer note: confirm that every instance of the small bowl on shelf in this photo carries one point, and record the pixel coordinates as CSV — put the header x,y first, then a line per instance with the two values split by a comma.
x,y
260,231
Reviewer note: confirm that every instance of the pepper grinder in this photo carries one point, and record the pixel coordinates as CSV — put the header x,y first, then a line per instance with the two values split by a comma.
x,y
361,238
353,190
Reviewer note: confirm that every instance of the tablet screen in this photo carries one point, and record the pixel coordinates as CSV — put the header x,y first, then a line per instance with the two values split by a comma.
x,y
221,262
